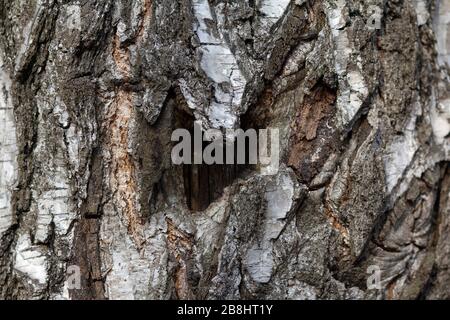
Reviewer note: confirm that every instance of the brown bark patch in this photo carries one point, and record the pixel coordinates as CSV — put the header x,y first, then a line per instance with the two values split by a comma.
x,y
146,16
313,138
180,245
122,170
123,182
121,58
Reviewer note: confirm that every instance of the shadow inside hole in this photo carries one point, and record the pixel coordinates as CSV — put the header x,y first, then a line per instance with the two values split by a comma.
x,y
203,183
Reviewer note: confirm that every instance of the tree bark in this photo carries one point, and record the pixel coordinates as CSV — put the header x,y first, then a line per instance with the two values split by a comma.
x,y
91,92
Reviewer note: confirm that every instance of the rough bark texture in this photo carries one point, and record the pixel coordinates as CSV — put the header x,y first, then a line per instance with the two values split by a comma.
x,y
86,178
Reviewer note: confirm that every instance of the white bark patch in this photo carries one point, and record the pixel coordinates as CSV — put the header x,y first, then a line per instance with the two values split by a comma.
x,y
259,259
352,87
30,260
191,100
51,190
53,205
269,16
437,113
8,151
400,155
73,137
279,202
421,11
442,31
335,15
271,11
259,262
132,273
219,65
203,14
351,99
440,121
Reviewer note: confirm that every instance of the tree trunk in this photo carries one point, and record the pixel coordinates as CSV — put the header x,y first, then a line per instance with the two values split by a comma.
x,y
91,93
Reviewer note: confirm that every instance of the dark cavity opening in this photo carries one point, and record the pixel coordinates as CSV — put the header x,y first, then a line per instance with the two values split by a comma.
x,y
203,183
